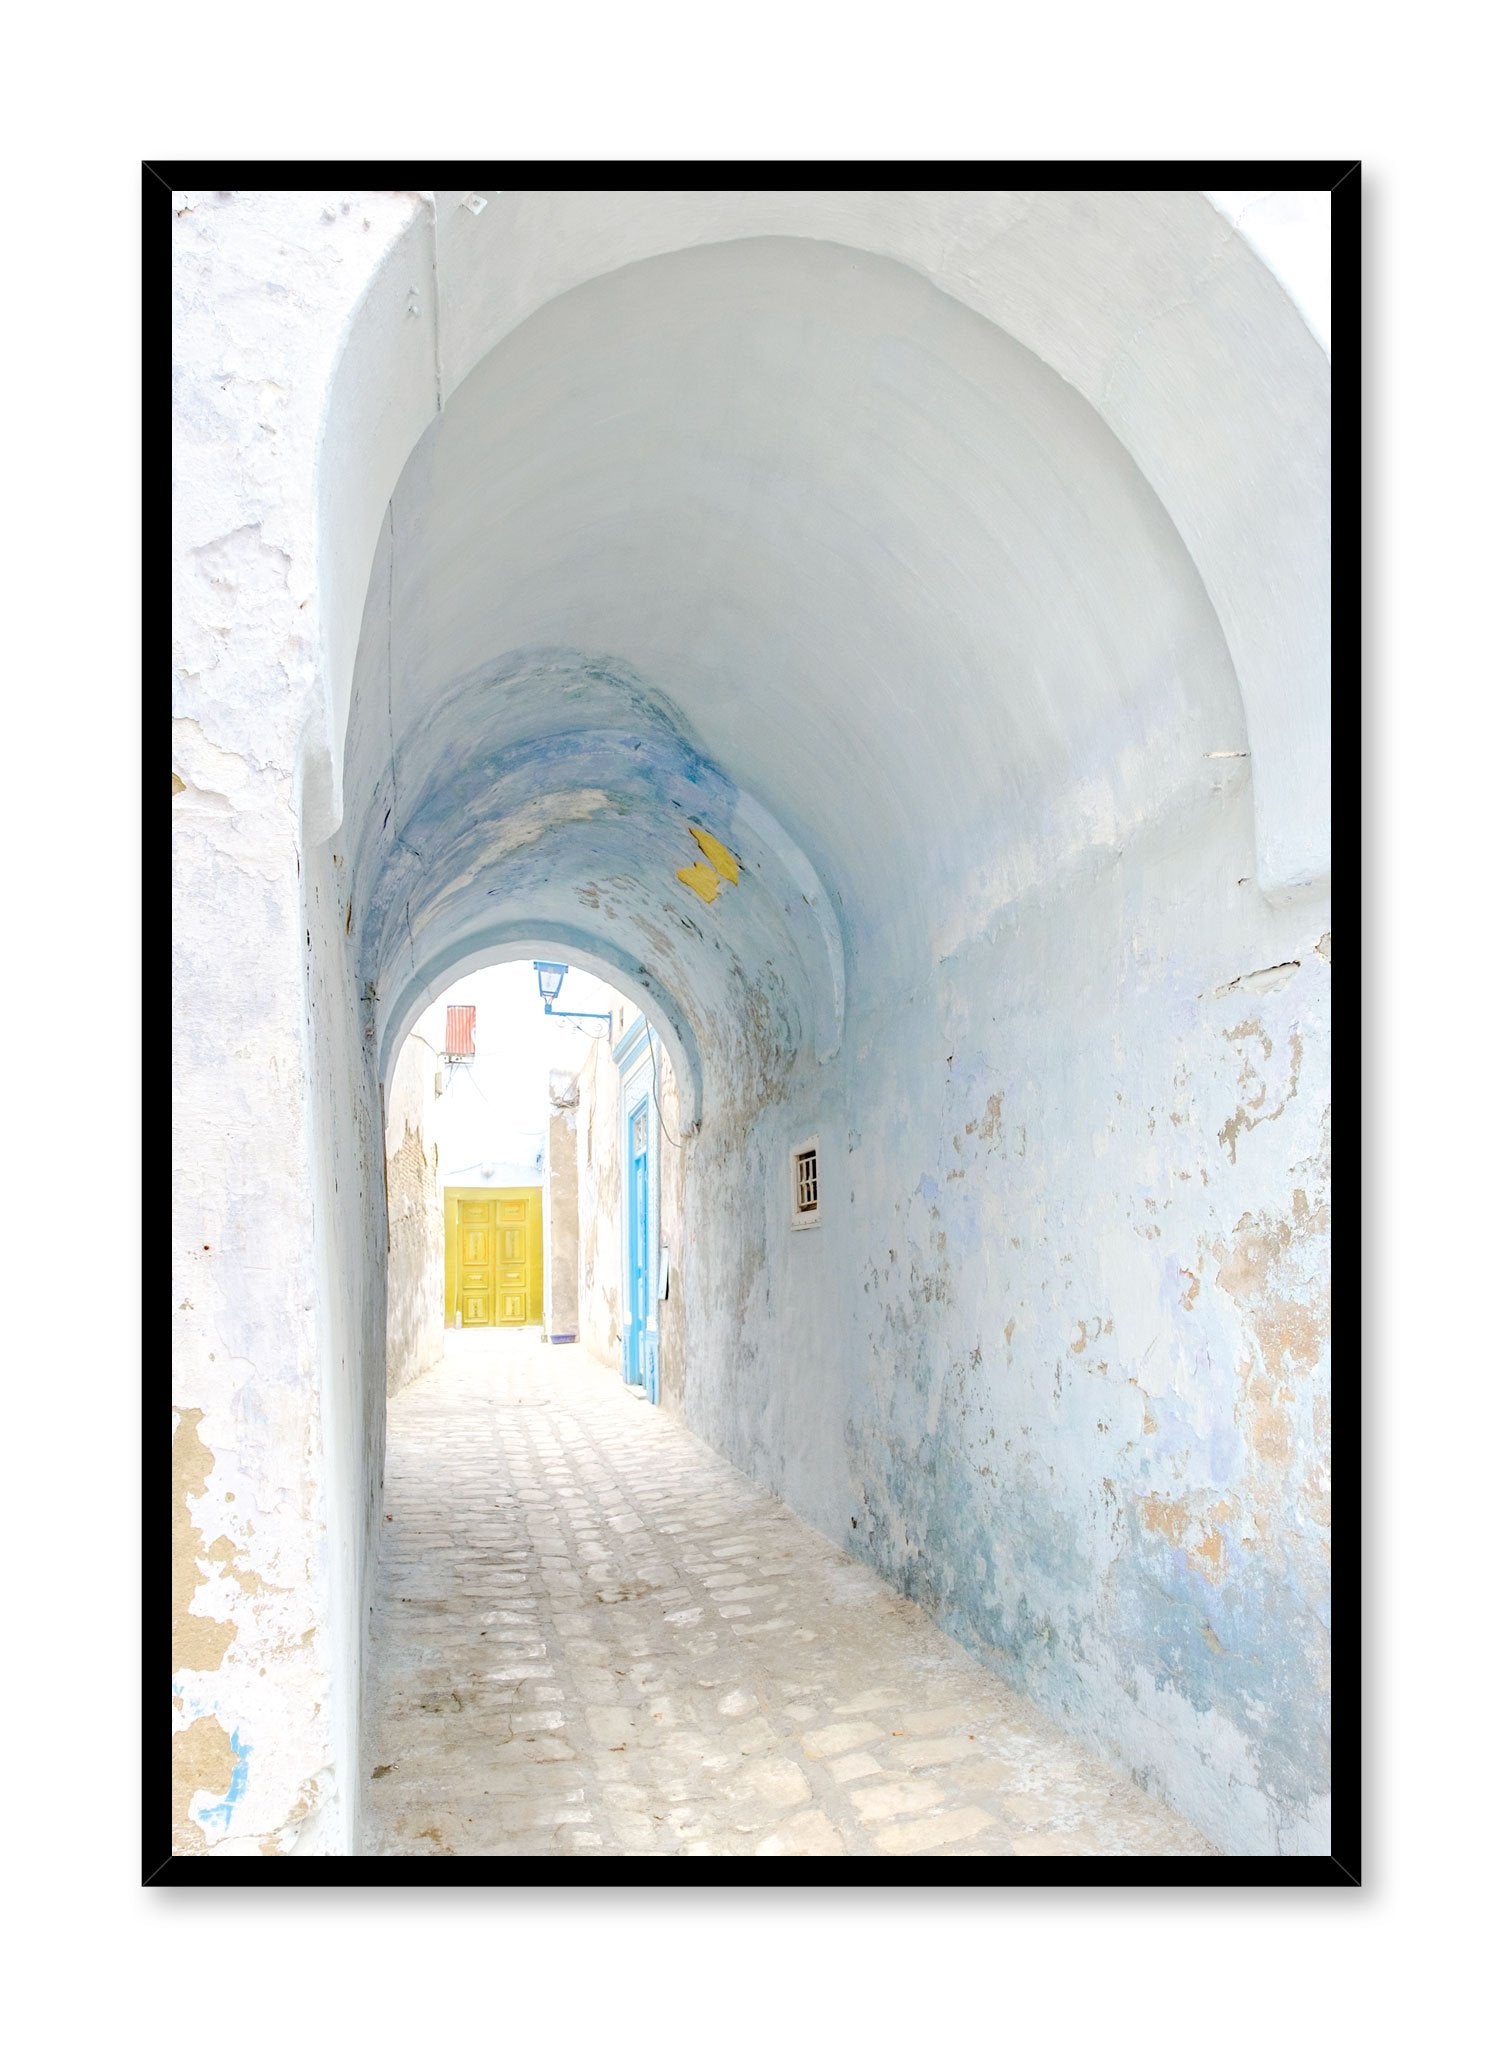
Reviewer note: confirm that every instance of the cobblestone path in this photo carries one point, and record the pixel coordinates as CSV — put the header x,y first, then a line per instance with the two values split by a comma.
x,y
596,1638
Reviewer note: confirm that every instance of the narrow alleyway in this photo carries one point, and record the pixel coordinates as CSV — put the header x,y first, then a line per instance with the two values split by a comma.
x,y
595,1637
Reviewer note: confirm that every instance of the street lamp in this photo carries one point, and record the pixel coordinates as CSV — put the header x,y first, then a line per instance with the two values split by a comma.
x,y
550,981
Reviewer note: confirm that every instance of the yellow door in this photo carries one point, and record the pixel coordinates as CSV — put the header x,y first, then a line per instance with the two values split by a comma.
x,y
477,1259
493,1247
512,1260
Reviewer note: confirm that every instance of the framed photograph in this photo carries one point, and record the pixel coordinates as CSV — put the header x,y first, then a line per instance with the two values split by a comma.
x,y
751,854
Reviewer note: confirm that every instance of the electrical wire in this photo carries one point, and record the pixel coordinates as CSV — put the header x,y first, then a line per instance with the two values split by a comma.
x,y
467,1067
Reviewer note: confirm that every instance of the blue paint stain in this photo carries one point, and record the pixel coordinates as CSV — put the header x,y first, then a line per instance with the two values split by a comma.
x,y
929,1188
210,1817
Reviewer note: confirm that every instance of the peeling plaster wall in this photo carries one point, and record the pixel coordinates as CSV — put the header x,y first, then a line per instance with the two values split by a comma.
x,y
266,1489
1056,1361
414,1219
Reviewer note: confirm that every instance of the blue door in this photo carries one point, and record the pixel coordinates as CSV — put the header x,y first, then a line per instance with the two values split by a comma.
x,y
637,1262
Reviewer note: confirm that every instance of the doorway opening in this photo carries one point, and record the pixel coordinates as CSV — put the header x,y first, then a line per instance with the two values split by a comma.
x,y
526,1189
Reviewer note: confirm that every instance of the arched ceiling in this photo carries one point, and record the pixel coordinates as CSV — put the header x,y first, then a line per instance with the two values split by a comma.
x,y
773,542
1152,305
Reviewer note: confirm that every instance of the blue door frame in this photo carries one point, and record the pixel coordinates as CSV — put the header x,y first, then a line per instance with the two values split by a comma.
x,y
634,1056
636,1250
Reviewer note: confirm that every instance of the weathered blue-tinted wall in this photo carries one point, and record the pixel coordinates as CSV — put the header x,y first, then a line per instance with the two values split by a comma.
x,y
1056,1360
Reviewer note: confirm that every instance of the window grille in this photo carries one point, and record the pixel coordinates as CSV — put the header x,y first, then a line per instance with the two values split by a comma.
x,y
805,1185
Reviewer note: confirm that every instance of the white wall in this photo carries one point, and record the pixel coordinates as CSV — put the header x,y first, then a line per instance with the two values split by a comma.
x,y
414,1217
276,1431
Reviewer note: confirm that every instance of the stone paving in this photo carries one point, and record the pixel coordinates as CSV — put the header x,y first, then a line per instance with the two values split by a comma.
x,y
593,1637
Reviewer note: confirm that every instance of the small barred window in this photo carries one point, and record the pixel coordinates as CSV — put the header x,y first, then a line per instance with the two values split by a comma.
x,y
805,1185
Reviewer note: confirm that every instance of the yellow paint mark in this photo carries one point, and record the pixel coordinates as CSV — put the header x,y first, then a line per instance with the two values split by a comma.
x,y
719,865
178,784
721,859
702,879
